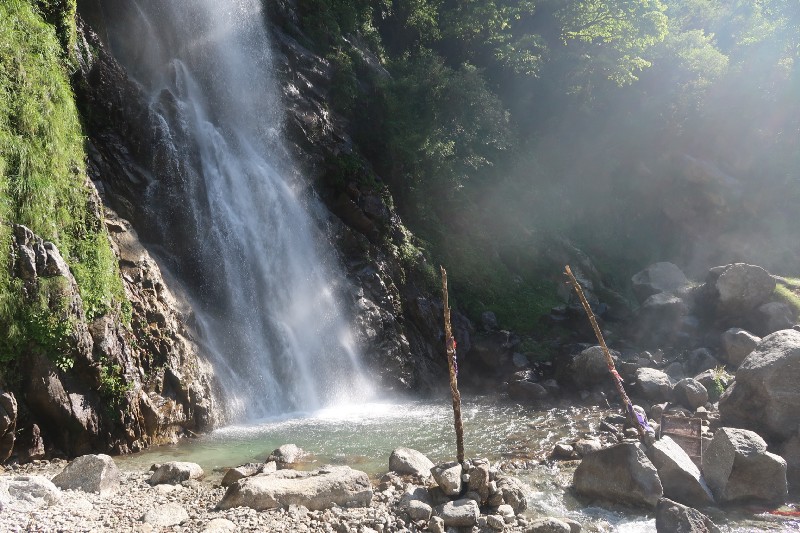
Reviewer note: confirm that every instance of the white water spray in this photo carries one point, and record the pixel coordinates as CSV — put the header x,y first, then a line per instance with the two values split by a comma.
x,y
227,201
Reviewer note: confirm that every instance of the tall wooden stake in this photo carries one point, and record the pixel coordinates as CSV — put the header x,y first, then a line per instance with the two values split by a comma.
x,y
638,424
450,347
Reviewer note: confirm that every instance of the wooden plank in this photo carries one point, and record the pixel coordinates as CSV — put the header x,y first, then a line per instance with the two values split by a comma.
x,y
686,432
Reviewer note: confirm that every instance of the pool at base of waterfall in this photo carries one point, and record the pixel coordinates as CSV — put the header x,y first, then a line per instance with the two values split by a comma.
x,y
364,435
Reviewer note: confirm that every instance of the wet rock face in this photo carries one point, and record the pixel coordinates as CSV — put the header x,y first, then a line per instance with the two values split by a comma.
x,y
8,423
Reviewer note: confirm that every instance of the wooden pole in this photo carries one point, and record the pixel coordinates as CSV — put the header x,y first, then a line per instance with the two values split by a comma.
x,y
609,361
450,347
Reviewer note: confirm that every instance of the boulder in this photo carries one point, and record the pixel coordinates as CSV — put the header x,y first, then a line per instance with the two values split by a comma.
x,y
286,454
621,474
166,515
790,451
653,385
176,472
738,468
316,490
220,525
479,478
660,319
418,510
774,316
410,461
90,473
250,469
526,391
680,477
765,394
548,525
737,344
448,477
740,288
672,517
658,277
699,360
589,368
586,446
8,424
690,393
514,493
459,513
27,492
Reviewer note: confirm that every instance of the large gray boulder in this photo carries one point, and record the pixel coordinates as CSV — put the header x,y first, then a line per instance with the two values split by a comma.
x,y
680,477
765,395
410,461
658,277
478,472
738,468
589,368
653,385
176,472
8,423
690,393
166,515
620,474
448,477
737,344
27,492
316,490
246,470
514,492
459,513
740,288
774,316
90,473
672,517
660,319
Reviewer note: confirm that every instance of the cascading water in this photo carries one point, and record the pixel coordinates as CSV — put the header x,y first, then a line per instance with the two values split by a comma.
x,y
225,200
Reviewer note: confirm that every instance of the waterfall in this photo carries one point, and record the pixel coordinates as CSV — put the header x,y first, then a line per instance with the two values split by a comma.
x,y
230,205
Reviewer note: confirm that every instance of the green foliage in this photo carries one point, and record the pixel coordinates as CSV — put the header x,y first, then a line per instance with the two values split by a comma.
x,y
113,385
43,184
790,294
61,15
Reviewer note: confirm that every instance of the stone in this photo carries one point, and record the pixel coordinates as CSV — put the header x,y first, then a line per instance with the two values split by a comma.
x,y
589,368
586,446
27,492
526,391
286,454
316,490
514,493
90,473
680,477
738,468
621,474
219,525
489,321
479,478
250,469
166,515
690,393
448,477
672,517
8,424
660,319
562,451
653,385
418,510
410,461
656,278
519,360
737,344
495,522
574,525
548,525
414,493
459,513
740,288
699,360
774,316
506,511
765,394
176,472
436,525
790,451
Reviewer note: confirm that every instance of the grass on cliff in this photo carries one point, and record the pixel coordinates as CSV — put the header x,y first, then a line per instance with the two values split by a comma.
x,y
789,292
43,183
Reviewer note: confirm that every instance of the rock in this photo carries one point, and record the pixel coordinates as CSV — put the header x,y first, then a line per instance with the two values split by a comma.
x,y
675,371
672,517
574,526
514,493
436,525
489,321
479,478
250,469
27,492
548,525
507,512
319,489
8,424
680,477
653,385
520,360
621,474
219,525
737,344
656,278
286,454
562,451
690,393
700,360
790,451
495,522
90,473
459,513
176,472
409,461
774,316
765,394
660,319
166,515
586,446
737,468
526,391
448,477
589,368
414,493
740,288
418,510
